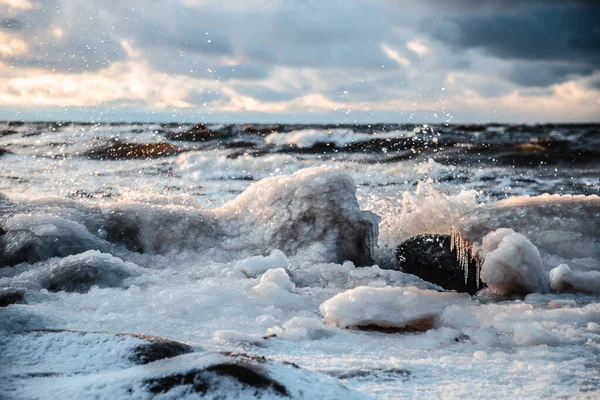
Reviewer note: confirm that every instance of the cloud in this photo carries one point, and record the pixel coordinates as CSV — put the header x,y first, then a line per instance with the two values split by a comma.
x,y
362,58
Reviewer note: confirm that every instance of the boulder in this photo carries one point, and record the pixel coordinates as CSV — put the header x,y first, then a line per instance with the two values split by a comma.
x,y
198,133
430,257
134,151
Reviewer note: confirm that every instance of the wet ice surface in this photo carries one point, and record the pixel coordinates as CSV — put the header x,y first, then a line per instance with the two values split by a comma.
x,y
264,279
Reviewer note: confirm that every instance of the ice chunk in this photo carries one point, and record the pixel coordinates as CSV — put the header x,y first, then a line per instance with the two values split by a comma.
x,y
388,307
562,278
512,264
252,267
534,335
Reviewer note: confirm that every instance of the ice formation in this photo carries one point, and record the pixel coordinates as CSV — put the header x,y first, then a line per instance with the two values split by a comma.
x,y
77,273
512,264
564,228
388,307
562,278
313,207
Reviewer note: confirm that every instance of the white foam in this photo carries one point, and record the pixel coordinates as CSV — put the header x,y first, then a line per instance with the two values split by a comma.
x,y
339,137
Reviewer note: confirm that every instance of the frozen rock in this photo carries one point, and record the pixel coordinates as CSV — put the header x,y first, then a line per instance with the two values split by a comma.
x,y
388,308
73,364
76,273
313,207
512,264
10,296
31,238
562,279
430,257
564,228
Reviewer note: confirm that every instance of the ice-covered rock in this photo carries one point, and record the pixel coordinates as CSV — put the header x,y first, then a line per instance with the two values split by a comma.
x,y
564,228
315,207
562,278
77,273
388,308
512,264
72,364
430,257
36,237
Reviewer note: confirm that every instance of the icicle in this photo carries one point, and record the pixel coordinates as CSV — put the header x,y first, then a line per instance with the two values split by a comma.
x,y
463,250
477,272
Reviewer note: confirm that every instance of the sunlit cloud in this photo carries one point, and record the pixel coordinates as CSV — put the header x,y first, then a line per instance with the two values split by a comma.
x,y
17,4
11,45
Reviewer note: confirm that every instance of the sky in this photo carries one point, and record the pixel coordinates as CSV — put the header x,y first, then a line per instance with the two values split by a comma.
x,y
351,61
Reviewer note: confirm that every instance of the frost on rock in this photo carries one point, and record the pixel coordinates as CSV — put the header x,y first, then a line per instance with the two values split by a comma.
x,y
31,238
562,278
564,228
512,264
313,208
316,205
394,308
76,273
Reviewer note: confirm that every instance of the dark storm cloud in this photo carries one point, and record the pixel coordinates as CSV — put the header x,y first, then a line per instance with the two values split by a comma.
x,y
539,74
492,5
544,34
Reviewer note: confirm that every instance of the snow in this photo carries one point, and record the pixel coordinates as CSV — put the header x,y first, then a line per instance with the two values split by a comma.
x,y
512,264
387,307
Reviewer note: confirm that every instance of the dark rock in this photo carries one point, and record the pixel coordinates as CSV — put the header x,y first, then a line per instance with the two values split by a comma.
x,y
18,246
420,325
6,132
11,296
157,349
198,133
202,380
79,275
430,258
4,151
392,373
134,151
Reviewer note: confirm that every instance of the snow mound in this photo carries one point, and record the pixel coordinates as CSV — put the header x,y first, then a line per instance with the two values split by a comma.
x,y
512,264
253,266
562,278
388,307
